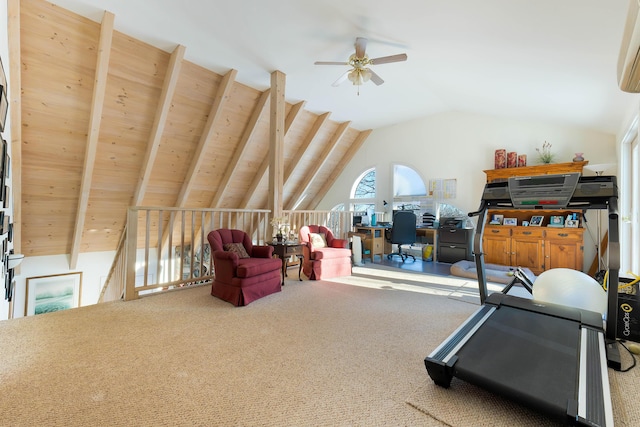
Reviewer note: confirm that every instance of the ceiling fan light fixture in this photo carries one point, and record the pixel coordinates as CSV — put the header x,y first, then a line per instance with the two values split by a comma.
x,y
359,76
366,75
355,77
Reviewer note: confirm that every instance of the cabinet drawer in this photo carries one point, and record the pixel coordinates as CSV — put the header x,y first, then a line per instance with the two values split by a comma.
x,y
564,234
293,250
498,231
455,235
452,254
528,232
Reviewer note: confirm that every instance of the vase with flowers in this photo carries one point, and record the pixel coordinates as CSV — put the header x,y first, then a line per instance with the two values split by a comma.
x,y
280,227
545,155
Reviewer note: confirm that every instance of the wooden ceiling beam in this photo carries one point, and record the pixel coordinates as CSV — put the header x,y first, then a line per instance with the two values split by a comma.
x,y
242,146
262,169
313,132
362,137
217,107
97,103
317,166
275,200
293,114
159,121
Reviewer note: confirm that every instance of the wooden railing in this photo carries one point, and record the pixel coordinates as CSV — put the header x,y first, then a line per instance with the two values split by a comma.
x,y
339,222
163,249
166,248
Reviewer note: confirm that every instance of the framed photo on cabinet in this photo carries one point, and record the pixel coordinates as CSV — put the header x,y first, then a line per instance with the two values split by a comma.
x,y
510,221
536,220
556,221
496,219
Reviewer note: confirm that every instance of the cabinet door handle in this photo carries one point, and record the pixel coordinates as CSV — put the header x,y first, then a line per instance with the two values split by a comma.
x,y
562,234
495,231
526,232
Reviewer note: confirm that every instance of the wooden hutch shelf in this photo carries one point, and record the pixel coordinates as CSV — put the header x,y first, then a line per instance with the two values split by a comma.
x,y
537,248
548,169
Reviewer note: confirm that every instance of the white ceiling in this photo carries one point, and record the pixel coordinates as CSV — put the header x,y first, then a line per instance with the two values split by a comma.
x,y
551,60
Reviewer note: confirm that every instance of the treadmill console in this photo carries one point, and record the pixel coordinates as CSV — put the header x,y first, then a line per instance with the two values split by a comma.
x,y
551,192
543,191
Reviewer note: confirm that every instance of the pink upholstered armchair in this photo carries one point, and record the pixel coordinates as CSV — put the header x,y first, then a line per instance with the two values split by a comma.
x,y
244,272
324,256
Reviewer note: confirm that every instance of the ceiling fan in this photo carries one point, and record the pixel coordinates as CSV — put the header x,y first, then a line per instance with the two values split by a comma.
x,y
360,72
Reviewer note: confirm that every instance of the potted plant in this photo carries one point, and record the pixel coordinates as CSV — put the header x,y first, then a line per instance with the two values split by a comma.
x,y
545,155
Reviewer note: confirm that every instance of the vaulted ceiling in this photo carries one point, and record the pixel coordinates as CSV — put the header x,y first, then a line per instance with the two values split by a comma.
x,y
109,121
543,60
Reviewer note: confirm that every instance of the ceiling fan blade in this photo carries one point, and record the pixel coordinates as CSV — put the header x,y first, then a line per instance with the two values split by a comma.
x,y
330,63
375,78
361,47
341,79
387,59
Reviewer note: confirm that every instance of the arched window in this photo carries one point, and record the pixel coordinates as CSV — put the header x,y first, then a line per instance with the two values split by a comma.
x,y
365,187
407,182
363,193
409,191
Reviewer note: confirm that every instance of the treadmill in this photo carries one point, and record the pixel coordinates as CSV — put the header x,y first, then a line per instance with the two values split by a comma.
x,y
551,358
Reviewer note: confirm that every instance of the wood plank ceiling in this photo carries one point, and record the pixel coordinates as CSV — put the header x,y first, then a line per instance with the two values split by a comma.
x,y
108,121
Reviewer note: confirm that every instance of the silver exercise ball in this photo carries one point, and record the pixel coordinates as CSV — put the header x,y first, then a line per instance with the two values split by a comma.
x,y
571,288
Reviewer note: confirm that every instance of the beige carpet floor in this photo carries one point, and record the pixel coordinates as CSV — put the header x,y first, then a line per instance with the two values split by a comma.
x,y
346,352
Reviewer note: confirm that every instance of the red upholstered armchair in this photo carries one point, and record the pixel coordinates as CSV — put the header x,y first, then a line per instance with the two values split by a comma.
x,y
324,256
244,272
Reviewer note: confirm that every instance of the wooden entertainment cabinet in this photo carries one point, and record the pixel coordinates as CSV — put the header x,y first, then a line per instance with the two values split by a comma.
x,y
538,248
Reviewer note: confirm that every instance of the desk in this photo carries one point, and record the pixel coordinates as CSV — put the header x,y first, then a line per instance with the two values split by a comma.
x,y
373,241
431,236
286,249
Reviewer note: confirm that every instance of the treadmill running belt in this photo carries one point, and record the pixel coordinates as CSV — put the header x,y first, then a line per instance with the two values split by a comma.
x,y
538,366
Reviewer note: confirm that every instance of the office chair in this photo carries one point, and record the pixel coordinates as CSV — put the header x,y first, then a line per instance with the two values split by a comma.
x,y
403,232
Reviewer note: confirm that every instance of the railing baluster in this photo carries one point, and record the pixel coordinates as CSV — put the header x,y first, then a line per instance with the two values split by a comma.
x,y
170,253
181,253
159,243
